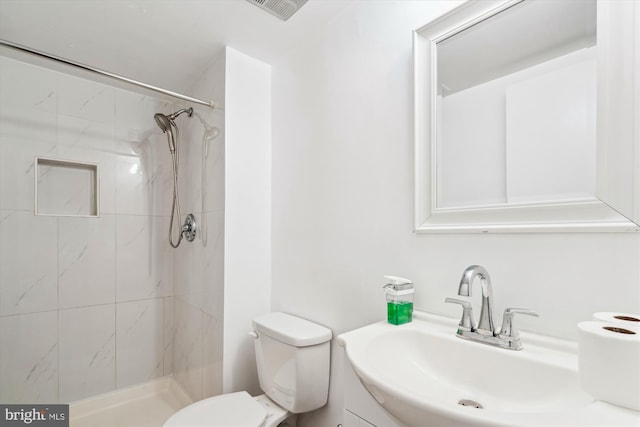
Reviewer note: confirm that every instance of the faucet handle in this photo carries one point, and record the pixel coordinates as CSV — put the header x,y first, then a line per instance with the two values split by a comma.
x,y
508,331
466,322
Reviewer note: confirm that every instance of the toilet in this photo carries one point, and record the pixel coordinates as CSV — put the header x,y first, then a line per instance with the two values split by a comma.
x,y
292,357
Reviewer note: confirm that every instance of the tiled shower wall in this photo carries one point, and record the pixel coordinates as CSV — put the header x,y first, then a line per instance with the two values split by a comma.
x,y
86,303
199,266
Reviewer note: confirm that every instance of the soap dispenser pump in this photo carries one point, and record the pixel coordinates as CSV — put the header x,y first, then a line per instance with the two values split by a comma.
x,y
399,294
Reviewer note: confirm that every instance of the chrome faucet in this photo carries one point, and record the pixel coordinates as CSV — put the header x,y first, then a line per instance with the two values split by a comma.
x,y
486,332
485,324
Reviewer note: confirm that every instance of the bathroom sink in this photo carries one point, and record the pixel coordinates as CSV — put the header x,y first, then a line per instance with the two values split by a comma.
x,y
422,374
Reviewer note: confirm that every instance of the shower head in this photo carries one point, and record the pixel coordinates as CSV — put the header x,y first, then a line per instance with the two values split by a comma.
x,y
165,123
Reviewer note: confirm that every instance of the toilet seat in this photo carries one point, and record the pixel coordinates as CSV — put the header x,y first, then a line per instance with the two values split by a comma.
x,y
228,410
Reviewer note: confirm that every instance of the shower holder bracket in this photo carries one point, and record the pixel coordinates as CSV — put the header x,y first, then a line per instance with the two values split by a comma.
x,y
189,228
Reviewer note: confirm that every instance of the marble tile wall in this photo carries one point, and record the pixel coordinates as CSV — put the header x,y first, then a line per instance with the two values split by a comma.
x,y
86,303
199,266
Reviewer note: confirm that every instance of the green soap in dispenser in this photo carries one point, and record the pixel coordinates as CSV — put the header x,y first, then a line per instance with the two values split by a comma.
x,y
399,294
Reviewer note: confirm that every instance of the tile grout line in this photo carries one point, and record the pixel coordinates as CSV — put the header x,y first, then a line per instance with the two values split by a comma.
x,y
115,297
115,244
58,303
57,241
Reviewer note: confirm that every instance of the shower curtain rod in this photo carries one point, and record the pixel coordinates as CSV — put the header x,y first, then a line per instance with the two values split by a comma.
x,y
21,48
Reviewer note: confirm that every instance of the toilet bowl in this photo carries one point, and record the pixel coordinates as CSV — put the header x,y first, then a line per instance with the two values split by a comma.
x,y
292,357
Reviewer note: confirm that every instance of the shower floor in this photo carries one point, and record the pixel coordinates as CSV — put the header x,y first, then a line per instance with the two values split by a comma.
x,y
145,405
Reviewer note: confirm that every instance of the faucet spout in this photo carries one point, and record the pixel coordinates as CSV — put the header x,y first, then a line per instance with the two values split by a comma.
x,y
485,324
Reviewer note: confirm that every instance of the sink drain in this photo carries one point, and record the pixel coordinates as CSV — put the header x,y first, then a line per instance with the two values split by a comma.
x,y
469,402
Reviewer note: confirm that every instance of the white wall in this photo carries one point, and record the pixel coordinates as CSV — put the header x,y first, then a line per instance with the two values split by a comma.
x,y
247,227
343,200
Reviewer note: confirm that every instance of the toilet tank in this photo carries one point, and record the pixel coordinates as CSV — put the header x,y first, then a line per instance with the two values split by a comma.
x,y
292,356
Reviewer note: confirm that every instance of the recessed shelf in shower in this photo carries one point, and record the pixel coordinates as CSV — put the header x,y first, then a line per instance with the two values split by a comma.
x,y
66,188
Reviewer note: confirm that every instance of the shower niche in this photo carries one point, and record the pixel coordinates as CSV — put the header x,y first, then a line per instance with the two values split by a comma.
x,y
66,188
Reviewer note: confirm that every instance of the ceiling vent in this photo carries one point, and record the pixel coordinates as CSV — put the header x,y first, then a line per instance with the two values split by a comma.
x,y
283,9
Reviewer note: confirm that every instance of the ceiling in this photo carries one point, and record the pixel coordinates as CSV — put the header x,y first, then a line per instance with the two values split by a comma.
x,y
164,43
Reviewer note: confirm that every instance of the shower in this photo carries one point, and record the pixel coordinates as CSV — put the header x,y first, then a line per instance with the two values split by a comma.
x,y
168,126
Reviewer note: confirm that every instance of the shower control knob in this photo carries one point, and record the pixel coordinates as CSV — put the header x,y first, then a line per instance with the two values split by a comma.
x,y
189,228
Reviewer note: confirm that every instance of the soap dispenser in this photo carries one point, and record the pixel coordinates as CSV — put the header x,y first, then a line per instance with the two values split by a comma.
x,y
399,294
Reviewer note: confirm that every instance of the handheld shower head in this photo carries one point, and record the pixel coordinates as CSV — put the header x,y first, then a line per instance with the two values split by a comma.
x,y
168,126
165,123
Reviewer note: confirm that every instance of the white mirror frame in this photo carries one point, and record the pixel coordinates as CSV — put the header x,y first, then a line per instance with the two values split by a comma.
x,y
616,206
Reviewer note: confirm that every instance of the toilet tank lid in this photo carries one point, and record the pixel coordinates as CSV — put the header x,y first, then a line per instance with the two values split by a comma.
x,y
291,330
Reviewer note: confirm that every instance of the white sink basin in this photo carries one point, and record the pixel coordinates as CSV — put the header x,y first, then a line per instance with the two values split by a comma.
x,y
419,372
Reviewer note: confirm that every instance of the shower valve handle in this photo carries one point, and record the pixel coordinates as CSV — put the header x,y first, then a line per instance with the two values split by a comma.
x,y
189,228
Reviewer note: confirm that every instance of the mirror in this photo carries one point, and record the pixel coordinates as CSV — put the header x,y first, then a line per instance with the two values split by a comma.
x,y
521,120
525,107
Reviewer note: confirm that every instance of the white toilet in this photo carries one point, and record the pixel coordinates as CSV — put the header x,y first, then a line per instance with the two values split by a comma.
x,y
292,356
